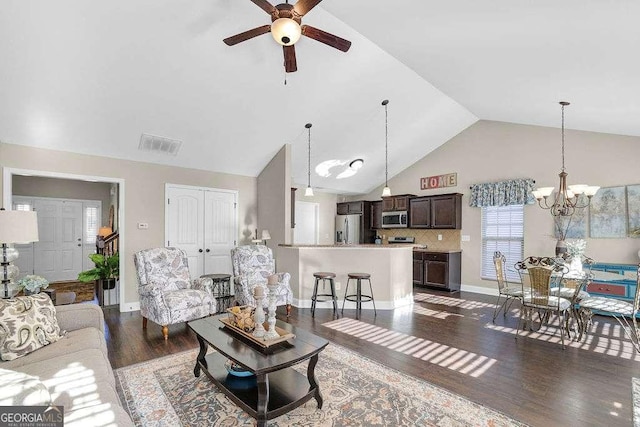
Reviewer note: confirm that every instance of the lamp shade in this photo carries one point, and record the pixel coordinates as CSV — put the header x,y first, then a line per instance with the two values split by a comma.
x,y
104,231
286,31
18,227
266,235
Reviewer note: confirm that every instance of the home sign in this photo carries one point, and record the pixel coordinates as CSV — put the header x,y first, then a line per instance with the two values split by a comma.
x,y
439,181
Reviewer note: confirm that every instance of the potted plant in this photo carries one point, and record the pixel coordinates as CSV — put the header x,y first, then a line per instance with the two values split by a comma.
x,y
105,272
32,284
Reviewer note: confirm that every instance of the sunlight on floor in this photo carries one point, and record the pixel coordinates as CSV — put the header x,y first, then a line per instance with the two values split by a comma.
x,y
452,302
462,361
615,344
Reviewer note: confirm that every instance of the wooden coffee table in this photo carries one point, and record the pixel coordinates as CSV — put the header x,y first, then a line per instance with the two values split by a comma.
x,y
276,388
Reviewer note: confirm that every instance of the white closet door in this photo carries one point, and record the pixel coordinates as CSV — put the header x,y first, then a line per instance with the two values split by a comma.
x,y
185,225
203,222
58,253
220,231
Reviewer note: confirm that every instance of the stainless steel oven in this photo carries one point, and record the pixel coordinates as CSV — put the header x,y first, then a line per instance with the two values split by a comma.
x,y
397,219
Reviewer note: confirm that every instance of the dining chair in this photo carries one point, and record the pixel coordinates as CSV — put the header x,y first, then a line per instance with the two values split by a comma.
x,y
538,275
510,293
619,309
572,288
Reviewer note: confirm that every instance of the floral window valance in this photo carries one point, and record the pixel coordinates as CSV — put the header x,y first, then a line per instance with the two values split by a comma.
x,y
503,193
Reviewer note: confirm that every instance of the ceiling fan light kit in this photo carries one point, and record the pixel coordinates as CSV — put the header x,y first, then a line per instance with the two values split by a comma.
x,y
286,30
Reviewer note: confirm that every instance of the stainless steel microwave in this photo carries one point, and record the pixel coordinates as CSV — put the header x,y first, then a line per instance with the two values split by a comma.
x,y
397,219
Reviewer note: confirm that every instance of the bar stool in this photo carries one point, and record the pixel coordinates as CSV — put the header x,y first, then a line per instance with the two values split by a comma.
x,y
324,276
358,298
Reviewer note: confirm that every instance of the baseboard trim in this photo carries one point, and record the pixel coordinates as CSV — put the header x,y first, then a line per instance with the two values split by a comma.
x,y
479,290
129,306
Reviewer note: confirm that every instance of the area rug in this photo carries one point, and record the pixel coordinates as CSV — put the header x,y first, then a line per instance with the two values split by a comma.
x,y
356,392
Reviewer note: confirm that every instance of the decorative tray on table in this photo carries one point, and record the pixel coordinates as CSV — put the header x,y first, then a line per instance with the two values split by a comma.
x,y
284,335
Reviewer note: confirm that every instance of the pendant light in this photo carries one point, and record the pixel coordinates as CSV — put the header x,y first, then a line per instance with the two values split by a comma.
x,y
386,191
309,191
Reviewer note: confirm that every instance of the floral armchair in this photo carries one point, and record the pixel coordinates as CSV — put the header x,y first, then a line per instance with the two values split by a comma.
x,y
167,294
252,265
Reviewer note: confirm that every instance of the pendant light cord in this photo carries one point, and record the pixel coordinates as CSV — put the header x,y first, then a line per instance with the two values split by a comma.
x,y
308,126
386,143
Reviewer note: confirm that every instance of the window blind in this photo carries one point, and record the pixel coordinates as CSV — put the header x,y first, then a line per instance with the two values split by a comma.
x,y
502,230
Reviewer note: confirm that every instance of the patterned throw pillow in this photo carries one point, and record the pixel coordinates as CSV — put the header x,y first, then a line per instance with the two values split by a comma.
x,y
26,324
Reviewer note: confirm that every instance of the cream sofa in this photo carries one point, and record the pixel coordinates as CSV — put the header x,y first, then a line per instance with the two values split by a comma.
x,y
76,371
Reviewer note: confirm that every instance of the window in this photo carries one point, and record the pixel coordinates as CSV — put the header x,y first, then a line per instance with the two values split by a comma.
x,y
22,207
90,224
502,230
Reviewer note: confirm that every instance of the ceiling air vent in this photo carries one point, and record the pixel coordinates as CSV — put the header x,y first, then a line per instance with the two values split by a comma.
x,y
159,144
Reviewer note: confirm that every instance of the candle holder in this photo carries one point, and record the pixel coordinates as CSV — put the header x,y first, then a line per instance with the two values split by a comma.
x,y
258,295
271,333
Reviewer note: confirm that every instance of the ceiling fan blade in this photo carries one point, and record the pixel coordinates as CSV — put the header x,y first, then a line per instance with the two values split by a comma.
x,y
230,41
290,64
326,38
303,7
265,5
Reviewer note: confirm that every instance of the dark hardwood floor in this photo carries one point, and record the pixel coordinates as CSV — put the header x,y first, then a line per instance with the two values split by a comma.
x,y
449,340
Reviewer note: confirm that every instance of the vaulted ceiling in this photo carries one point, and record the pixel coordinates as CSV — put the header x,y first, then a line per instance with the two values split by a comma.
x,y
91,77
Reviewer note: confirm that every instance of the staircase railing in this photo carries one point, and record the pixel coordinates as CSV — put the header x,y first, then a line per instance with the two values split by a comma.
x,y
108,245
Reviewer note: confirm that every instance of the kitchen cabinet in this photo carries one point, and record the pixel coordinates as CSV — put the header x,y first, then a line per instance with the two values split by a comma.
x,y
376,215
350,208
442,211
396,203
437,269
361,210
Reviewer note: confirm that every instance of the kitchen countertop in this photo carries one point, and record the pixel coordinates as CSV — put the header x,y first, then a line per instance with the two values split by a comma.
x,y
439,251
417,248
364,245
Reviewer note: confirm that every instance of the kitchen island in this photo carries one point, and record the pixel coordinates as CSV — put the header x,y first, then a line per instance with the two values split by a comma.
x,y
390,267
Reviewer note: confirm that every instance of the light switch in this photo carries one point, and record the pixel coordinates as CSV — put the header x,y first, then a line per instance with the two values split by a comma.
x,y
143,225
466,238
439,236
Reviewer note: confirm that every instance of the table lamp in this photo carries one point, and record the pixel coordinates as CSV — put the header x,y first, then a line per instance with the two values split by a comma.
x,y
265,236
15,227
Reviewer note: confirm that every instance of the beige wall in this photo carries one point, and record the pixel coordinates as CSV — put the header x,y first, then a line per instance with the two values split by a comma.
x,y
37,186
491,151
327,204
274,198
144,193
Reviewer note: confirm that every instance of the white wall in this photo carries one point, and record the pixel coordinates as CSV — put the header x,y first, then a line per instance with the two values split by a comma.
x,y
144,193
274,198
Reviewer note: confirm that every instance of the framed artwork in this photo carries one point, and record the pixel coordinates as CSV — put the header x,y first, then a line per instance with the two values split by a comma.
x,y
633,206
608,213
576,226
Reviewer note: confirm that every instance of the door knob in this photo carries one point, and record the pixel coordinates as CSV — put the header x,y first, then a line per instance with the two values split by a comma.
x,y
79,244
208,250
79,240
200,250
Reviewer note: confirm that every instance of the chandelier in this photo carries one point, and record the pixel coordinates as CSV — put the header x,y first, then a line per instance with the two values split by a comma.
x,y
567,199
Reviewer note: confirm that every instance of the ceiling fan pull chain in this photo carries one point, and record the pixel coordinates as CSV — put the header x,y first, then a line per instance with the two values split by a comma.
x,y
285,78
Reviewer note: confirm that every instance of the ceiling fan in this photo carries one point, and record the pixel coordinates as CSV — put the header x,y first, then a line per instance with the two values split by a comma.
x,y
286,29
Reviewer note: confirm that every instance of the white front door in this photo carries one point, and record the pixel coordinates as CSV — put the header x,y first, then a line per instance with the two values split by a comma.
x,y
202,222
58,253
307,223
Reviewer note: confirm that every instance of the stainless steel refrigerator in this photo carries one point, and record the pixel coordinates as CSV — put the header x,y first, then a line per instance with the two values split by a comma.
x,y
348,229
